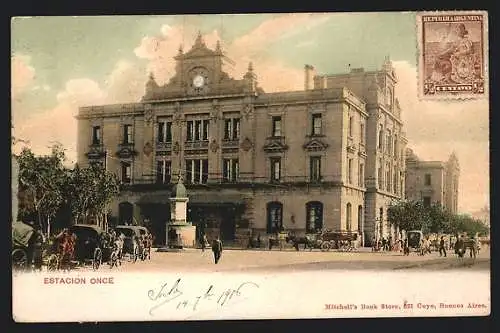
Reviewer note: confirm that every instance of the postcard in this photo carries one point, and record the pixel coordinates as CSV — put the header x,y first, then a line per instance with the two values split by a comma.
x,y
250,166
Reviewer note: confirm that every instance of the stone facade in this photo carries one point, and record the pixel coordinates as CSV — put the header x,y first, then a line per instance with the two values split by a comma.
x,y
432,182
298,160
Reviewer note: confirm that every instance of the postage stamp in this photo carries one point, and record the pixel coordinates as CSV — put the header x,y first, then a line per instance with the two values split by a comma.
x,y
200,167
453,54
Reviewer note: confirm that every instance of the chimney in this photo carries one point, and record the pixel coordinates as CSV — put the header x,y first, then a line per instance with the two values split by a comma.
x,y
309,74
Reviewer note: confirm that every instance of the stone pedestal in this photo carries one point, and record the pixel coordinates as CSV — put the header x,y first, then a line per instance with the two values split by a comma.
x,y
180,232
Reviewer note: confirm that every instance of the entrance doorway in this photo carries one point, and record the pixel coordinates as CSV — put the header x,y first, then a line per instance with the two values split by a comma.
x,y
228,224
125,213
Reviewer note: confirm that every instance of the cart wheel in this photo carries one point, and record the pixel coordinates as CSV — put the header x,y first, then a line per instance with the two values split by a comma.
x,y
96,262
19,259
52,263
325,246
113,260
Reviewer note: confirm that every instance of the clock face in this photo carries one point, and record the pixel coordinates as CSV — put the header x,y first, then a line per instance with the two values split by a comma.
x,y
198,81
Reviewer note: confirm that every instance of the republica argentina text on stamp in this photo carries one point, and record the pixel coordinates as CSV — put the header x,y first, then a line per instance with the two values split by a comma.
x,y
453,54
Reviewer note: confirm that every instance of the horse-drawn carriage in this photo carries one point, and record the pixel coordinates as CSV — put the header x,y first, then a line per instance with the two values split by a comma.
x,y
92,245
326,240
137,241
23,237
341,240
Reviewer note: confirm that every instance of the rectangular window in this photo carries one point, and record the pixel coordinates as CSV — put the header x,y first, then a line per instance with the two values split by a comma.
x,y
316,124
380,175
126,172
127,134
232,129
361,175
351,125
388,178
163,171
277,126
315,168
349,171
275,169
197,171
362,133
96,135
197,130
427,201
165,131
427,179
190,131
230,170
205,130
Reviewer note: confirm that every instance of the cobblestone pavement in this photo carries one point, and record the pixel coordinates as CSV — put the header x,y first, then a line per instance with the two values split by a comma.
x,y
194,260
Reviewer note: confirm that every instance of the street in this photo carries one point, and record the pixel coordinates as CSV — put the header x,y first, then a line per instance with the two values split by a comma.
x,y
248,261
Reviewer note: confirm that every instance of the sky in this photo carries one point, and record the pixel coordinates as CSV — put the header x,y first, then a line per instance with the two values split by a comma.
x,y
61,63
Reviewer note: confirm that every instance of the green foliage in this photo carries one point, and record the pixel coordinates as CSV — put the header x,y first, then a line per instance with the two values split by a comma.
x,y
412,215
47,187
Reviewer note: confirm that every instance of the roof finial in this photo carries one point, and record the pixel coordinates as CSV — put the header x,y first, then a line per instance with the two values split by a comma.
x,y
180,49
250,66
217,46
199,39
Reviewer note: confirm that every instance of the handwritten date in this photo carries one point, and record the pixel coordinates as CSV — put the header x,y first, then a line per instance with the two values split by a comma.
x,y
173,294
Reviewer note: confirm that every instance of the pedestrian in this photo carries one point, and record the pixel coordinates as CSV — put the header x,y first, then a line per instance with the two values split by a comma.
x,y
473,247
203,242
217,249
406,248
442,248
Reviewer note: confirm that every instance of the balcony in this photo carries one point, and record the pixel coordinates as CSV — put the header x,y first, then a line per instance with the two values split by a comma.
x,y
96,151
230,143
275,144
351,146
362,149
126,150
164,145
188,145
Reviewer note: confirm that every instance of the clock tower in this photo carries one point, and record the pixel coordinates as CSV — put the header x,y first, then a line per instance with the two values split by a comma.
x,y
199,72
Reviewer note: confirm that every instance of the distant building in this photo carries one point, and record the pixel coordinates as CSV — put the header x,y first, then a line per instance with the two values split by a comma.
x,y
432,182
329,156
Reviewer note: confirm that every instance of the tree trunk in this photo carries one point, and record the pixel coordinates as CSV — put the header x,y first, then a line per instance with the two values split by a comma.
x,y
48,226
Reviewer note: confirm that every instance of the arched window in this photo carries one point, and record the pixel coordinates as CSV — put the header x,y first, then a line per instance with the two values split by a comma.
x,y
348,217
314,216
125,213
274,217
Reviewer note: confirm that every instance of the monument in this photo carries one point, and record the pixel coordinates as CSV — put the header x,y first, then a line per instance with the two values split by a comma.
x,y
180,232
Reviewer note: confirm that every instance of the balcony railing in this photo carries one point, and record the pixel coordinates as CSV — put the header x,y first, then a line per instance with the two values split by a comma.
x,y
164,145
230,143
196,144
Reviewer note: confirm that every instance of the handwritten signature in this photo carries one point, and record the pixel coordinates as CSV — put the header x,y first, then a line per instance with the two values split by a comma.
x,y
168,293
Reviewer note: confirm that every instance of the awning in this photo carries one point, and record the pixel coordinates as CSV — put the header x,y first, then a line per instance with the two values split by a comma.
x,y
209,198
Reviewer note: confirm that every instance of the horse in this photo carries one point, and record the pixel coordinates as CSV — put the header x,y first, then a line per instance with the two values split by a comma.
x,y
298,240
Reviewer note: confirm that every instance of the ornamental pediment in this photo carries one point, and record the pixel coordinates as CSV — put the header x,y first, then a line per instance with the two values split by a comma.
x,y
126,152
275,144
315,145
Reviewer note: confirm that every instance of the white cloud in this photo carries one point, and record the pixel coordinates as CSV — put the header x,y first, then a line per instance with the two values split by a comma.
x,y
22,73
437,128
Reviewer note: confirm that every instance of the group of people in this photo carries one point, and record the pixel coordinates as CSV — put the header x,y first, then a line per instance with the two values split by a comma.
x,y
216,246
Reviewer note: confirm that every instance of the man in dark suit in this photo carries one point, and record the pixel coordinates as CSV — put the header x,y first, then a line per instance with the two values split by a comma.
x,y
217,249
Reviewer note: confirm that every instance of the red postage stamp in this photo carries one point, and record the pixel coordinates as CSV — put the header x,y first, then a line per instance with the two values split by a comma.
x,y
453,54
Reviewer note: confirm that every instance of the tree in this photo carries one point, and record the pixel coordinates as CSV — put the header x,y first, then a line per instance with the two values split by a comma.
x,y
41,179
89,191
408,215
